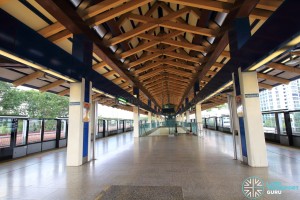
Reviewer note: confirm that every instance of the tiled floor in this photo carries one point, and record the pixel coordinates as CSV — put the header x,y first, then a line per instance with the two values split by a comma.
x,y
203,167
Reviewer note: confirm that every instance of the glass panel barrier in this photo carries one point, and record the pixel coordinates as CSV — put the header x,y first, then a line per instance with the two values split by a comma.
x,y
112,125
226,122
21,132
50,129
144,128
220,121
120,127
63,129
35,130
5,132
295,123
211,122
269,123
281,124
100,127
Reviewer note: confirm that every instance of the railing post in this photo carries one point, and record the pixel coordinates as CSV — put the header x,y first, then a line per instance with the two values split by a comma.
x,y
277,124
27,131
42,130
58,130
13,133
216,123
123,126
288,127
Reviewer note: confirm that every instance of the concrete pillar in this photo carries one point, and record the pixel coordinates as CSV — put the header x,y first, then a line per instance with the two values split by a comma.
x,y
198,116
249,114
187,113
136,125
234,125
79,132
94,125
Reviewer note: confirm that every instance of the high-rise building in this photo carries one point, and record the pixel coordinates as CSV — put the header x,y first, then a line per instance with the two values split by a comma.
x,y
281,97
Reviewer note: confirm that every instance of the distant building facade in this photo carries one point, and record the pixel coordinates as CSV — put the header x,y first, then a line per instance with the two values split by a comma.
x,y
281,97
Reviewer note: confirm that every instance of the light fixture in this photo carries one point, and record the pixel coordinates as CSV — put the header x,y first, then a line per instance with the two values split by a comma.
x,y
35,66
97,91
281,50
267,70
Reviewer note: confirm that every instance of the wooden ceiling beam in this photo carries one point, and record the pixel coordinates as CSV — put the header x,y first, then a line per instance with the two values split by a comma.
x,y
100,8
273,78
166,92
28,78
218,65
183,57
55,28
52,85
60,36
143,59
139,48
166,88
108,74
260,14
148,66
118,11
173,76
66,15
282,67
118,79
243,9
122,85
297,53
181,65
271,5
179,72
204,4
99,66
186,45
152,73
159,84
64,92
132,33
265,86
189,28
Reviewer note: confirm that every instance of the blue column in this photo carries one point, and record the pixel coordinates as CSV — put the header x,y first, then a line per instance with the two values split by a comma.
x,y
83,51
239,33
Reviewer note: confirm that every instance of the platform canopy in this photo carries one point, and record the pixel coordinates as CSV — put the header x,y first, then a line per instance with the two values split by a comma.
x,y
165,48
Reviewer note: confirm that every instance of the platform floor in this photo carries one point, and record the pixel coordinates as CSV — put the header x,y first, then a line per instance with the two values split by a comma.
x,y
203,167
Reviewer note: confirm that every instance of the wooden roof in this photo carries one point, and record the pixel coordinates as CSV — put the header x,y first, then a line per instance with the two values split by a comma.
x,y
163,47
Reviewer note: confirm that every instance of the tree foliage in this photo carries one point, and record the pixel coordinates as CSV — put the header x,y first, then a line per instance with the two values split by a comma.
x,y
31,103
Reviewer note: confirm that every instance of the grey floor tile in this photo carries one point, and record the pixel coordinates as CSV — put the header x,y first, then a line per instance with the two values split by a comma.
x,y
202,167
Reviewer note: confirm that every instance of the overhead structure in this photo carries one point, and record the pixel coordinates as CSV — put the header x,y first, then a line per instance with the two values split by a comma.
x,y
161,47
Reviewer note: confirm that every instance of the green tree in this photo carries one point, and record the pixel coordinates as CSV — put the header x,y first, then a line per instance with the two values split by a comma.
x,y
32,103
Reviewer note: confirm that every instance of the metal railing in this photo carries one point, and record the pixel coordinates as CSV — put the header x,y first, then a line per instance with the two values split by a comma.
x,y
281,126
